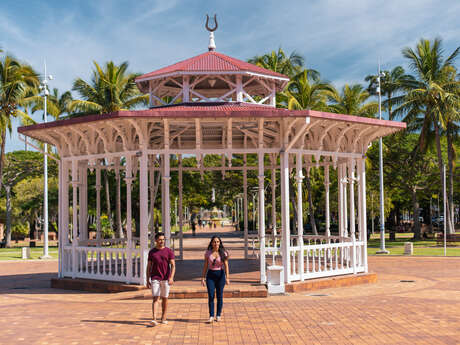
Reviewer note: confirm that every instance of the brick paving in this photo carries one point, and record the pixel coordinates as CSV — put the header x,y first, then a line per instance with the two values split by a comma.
x,y
425,311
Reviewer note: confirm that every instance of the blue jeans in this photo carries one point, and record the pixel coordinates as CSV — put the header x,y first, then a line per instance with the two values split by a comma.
x,y
215,281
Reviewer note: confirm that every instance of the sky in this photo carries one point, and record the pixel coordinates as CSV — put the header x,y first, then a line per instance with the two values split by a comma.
x,y
342,39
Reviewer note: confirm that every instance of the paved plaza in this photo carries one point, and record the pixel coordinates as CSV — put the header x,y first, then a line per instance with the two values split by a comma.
x,y
415,301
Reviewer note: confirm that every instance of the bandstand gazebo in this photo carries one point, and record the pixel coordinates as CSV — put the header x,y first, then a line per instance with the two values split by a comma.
x,y
212,104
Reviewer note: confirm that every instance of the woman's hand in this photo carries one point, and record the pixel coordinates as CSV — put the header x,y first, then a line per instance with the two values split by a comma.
x,y
203,283
227,281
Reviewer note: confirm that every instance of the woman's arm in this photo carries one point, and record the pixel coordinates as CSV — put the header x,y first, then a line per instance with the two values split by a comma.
x,y
205,269
227,273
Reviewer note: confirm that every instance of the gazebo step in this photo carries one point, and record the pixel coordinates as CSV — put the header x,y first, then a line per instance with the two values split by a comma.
x,y
332,282
176,292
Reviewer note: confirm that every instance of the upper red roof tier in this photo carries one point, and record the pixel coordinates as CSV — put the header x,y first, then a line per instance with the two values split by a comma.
x,y
210,62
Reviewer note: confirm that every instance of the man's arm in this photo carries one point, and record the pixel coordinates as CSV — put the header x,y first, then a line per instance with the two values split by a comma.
x,y
172,262
147,273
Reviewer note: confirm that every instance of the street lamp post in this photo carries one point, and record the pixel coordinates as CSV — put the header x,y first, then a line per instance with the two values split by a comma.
x,y
382,211
44,87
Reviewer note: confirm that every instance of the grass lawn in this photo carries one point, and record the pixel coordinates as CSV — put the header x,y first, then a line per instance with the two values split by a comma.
x,y
35,253
424,247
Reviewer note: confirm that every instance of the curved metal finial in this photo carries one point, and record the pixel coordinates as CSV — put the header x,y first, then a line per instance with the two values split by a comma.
x,y
207,24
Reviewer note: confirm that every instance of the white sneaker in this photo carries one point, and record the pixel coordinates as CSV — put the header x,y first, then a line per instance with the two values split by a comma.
x,y
211,319
218,319
154,322
164,322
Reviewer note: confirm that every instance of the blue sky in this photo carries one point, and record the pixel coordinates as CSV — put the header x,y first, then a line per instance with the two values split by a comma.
x,y
342,39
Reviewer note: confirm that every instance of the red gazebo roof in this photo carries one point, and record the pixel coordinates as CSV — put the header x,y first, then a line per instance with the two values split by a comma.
x,y
210,62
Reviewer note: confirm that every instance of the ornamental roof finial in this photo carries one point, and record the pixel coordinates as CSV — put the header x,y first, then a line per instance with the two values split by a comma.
x,y
212,44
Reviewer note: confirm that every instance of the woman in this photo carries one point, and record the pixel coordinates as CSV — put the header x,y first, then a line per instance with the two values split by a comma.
x,y
215,274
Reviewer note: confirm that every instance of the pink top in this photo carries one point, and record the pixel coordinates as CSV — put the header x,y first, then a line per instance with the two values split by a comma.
x,y
214,264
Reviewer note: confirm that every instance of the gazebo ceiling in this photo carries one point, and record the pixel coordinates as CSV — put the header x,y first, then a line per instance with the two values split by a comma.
x,y
214,127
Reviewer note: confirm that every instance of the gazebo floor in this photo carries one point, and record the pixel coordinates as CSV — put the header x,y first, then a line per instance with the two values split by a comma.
x,y
244,274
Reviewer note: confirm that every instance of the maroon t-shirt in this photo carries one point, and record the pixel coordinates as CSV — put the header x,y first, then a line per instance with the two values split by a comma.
x,y
160,263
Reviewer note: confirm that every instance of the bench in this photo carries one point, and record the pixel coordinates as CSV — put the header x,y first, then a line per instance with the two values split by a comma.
x,y
450,238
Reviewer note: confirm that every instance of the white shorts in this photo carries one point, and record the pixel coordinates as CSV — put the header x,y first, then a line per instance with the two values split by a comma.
x,y
160,288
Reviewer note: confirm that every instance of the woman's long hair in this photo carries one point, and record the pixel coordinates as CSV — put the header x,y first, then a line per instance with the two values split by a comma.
x,y
222,252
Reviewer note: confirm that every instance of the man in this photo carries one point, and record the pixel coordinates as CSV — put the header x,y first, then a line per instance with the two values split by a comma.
x,y
160,274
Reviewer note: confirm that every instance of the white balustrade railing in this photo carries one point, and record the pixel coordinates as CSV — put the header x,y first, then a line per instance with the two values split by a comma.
x,y
318,256
114,264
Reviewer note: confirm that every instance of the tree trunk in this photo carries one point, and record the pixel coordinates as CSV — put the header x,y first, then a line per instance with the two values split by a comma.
x,y
450,229
450,179
8,216
415,212
2,156
293,200
310,204
107,200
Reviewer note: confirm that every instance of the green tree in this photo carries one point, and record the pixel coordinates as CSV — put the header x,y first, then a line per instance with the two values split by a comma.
x,y
430,104
352,101
19,165
111,89
278,61
16,81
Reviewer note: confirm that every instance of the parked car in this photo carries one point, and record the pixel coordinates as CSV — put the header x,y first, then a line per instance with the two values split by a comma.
x,y
438,221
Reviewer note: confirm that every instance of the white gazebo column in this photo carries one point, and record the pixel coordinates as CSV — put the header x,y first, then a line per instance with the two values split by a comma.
x,y
299,179
129,223
118,198
83,201
284,162
274,198
328,215
362,206
181,214
340,200
345,210
74,215
63,213
98,201
245,206
261,177
144,213
351,183
166,216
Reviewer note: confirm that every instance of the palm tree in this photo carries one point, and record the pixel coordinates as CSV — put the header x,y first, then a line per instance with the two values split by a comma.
x,y
351,100
16,81
304,92
392,84
278,61
111,89
434,97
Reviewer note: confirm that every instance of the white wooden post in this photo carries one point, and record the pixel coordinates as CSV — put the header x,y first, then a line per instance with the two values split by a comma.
x,y
340,200
83,198
351,182
129,222
118,198
60,219
181,215
74,215
328,215
98,201
284,157
300,178
273,94
362,180
261,178
186,89
245,206
144,212
345,210
239,88
274,197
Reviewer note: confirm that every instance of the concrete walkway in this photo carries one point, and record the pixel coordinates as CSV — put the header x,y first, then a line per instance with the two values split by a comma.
x,y
416,301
